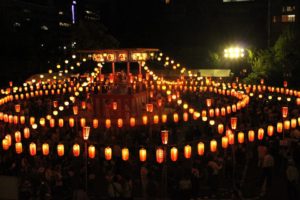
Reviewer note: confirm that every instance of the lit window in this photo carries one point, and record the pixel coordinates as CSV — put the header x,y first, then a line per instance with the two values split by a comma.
x,y
288,18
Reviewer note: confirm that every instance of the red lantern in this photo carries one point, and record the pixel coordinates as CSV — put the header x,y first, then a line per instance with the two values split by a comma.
x,y
223,111
71,122
164,136
18,136
164,118
32,149
185,116
260,133
60,150
132,121
241,137
95,123
75,110
233,123
52,123
86,132
17,108
76,150
125,154
159,155
220,128
293,123
175,117
224,142
120,122
285,111
22,119
149,107
145,119
107,123
213,145
230,138
5,144
82,122
61,122
251,135
174,154
45,149
92,151
115,105
208,102
286,124
200,148
19,148
83,105
279,127
108,153
270,130
187,151
143,154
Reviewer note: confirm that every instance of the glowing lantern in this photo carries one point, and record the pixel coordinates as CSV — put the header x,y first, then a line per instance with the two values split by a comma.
x,y
145,119
208,102
217,112
92,151
5,144
286,124
187,151
233,122
298,101
285,83
31,120
32,149
164,118
42,121
22,119
285,111
293,123
220,128
211,112
26,133
82,122
83,105
159,155
164,136
17,108
18,147
174,154
175,117
149,107
108,153
45,149
76,150
95,123
75,110
159,102
233,108
279,127
223,111
270,130
213,145
10,119
228,109
224,142
125,154
230,138
132,121
60,150
241,137
185,116
61,122
200,148
115,105
260,133
143,154
52,123
18,136
86,132
71,122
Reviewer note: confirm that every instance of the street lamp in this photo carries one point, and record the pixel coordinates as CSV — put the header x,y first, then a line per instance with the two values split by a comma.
x,y
85,136
234,52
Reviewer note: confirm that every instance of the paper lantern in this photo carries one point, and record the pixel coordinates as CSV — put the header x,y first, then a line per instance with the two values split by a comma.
x,y
175,117
83,105
286,124
145,119
143,154
19,148
92,151
108,153
26,133
230,138
10,119
228,109
60,150
224,142
52,123
187,151
22,119
31,120
298,101
18,136
159,155
125,154
159,102
251,135
76,150
95,123
200,148
115,105
233,123
208,102
75,110
61,122
155,119
17,108
71,122
86,132
132,121
164,118
174,154
120,123
241,137
217,112
220,128
149,107
270,130
279,127
260,133
213,145
185,116
293,123
5,144
42,121
45,149
285,111
164,136
8,138
32,149
223,111
82,122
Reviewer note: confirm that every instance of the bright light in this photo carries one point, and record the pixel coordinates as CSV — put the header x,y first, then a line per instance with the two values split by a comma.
x,y
234,52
